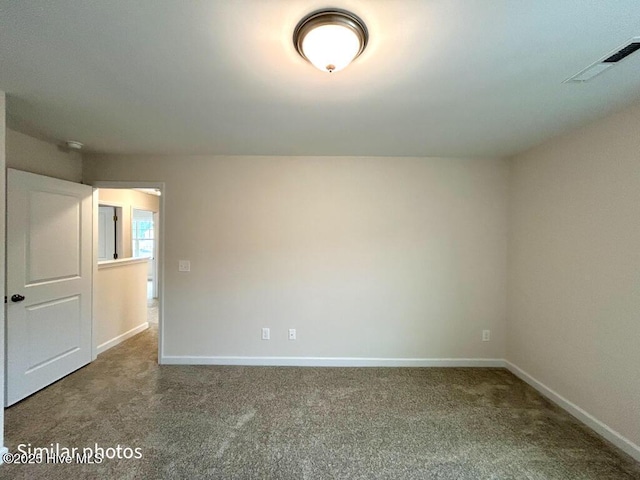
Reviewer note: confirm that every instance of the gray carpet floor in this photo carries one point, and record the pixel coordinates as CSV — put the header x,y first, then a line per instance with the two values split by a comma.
x,y
305,423
152,310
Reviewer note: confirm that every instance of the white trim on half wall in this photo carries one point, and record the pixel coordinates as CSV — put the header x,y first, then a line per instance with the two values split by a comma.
x,y
121,338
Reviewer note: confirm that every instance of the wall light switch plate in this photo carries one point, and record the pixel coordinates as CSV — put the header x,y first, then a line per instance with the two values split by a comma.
x,y
184,266
292,334
266,334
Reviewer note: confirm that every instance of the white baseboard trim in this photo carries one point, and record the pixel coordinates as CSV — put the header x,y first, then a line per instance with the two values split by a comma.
x,y
121,338
333,361
589,420
3,450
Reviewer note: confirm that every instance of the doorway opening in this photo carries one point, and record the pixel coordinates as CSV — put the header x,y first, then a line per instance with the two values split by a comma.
x,y
128,287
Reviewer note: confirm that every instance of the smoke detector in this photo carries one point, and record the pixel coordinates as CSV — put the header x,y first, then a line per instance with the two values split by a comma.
x,y
73,145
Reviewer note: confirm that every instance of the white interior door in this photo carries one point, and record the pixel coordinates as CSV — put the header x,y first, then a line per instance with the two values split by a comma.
x,y
106,233
49,263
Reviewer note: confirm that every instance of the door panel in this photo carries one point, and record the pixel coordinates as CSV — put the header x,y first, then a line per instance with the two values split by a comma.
x,y
52,331
53,233
49,262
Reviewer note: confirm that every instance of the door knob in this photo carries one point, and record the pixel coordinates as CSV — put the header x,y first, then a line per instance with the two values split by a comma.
x,y
17,298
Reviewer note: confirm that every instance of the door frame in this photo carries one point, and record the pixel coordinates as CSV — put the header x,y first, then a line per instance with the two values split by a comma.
x,y
160,253
154,259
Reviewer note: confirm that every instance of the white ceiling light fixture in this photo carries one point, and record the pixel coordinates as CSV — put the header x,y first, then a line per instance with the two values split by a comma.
x,y
330,39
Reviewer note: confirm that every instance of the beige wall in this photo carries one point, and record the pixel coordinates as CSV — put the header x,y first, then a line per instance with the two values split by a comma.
x,y
365,257
121,301
128,200
32,155
574,268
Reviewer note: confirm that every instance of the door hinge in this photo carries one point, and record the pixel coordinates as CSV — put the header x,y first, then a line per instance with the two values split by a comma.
x,y
115,218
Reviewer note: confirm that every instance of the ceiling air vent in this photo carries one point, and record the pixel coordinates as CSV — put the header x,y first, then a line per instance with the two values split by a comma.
x,y
606,62
623,53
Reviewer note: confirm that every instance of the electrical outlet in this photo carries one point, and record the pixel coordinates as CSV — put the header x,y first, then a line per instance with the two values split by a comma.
x,y
292,334
486,335
266,334
184,266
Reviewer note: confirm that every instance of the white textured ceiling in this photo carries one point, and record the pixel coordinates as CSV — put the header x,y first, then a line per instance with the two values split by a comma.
x,y
446,77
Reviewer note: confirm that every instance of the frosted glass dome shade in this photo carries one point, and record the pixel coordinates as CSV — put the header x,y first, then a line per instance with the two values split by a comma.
x,y
330,39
